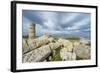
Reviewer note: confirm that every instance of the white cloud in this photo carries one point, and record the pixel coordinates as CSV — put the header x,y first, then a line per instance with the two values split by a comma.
x,y
55,31
79,24
49,24
69,17
49,19
88,29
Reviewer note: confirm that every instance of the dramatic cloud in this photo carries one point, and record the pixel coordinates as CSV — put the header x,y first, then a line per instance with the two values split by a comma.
x,y
58,23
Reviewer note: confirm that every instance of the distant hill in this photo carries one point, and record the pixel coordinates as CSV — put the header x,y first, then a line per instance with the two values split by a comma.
x,y
70,37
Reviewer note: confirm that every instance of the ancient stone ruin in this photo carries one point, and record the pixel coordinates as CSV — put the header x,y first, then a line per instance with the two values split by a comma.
x,y
48,48
31,31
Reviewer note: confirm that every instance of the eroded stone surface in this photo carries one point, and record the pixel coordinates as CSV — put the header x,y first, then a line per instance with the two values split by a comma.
x,y
25,46
37,55
82,51
67,44
38,49
35,43
65,55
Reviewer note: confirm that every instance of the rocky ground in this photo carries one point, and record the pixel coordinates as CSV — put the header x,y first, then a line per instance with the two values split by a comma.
x,y
48,48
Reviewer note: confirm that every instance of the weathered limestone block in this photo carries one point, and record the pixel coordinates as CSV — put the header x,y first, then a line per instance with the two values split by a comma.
x,y
50,57
54,46
65,55
35,43
51,39
67,44
85,42
82,51
32,44
37,55
76,43
40,54
73,57
25,46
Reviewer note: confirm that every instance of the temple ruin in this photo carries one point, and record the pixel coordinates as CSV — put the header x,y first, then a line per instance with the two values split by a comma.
x,y
47,48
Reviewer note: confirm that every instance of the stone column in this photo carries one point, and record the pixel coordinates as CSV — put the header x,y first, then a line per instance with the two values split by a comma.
x,y
31,31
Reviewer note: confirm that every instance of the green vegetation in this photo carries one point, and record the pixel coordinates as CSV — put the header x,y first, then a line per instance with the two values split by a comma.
x,y
66,37
25,36
78,58
73,38
56,56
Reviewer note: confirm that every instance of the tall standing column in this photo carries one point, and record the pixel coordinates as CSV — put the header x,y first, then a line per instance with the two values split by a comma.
x,y
31,31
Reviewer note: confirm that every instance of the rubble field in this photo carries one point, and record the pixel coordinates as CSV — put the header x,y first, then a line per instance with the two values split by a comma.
x,y
49,48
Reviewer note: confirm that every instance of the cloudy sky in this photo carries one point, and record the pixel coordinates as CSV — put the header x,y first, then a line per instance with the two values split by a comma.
x,y
58,23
